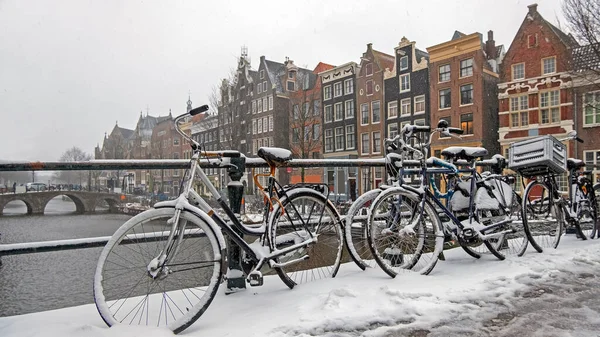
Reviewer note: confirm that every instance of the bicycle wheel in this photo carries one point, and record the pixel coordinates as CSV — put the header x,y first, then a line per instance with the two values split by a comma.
x,y
596,211
511,235
542,216
401,236
125,292
356,229
587,210
307,214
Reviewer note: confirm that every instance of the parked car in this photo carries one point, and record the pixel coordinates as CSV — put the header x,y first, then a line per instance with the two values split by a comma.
x,y
36,187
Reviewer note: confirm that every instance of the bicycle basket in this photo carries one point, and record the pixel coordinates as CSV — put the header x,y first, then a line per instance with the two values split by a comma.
x,y
538,156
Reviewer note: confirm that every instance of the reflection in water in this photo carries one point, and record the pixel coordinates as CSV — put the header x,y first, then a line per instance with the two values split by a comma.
x,y
45,281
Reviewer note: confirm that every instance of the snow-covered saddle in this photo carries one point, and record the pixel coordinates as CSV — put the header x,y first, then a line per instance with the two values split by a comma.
x,y
464,152
573,164
275,156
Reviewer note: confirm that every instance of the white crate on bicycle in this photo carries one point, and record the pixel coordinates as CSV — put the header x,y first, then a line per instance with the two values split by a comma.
x,y
537,156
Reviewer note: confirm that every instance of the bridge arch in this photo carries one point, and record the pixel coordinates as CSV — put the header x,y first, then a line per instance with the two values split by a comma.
x,y
85,202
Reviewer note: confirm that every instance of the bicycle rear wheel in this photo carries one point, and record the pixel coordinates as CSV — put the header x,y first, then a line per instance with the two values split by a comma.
x,y
401,235
125,292
542,216
356,229
307,214
587,210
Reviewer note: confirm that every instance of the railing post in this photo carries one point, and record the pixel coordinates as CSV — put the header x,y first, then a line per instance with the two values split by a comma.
x,y
235,191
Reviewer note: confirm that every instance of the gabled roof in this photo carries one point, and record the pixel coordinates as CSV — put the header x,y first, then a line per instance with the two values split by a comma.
x,y
384,60
586,57
457,35
276,71
567,39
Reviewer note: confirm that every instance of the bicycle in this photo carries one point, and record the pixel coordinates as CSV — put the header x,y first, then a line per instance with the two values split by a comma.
x,y
163,267
547,211
402,218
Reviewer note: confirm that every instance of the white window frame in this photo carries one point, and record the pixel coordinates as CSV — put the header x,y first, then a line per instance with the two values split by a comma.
x,y
373,112
460,68
417,103
406,59
375,143
350,141
328,118
389,130
549,106
335,89
346,109
327,92
544,72
368,114
392,107
407,77
362,143
594,108
271,123
328,141
514,72
348,86
339,133
337,105
519,108
405,103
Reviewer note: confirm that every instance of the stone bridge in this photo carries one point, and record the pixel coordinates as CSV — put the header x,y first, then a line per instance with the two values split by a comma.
x,y
85,202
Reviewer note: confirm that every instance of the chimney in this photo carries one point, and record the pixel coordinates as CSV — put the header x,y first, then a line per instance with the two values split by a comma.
x,y
369,46
490,46
532,8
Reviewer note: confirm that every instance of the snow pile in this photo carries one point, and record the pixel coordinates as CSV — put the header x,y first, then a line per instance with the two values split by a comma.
x,y
549,294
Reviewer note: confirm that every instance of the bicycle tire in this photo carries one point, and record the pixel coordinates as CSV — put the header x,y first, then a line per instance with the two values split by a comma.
x,y
394,246
586,205
515,242
356,217
596,212
130,295
321,259
542,216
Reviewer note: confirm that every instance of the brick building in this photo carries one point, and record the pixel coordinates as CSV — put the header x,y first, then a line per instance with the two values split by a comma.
x,y
535,95
338,97
306,138
370,120
463,87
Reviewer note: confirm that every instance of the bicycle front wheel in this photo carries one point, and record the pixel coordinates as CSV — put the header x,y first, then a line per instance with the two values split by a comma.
x,y
306,214
402,235
356,229
126,291
542,216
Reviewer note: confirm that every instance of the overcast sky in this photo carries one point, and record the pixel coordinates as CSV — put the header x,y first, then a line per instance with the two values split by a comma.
x,y
69,70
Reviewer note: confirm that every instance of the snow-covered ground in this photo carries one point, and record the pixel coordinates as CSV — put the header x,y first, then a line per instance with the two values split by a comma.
x,y
549,294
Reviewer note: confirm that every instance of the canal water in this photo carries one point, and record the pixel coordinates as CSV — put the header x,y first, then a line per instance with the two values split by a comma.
x,y
53,280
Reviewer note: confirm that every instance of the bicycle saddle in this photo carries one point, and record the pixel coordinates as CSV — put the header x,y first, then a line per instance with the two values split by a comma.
x,y
275,156
573,163
464,152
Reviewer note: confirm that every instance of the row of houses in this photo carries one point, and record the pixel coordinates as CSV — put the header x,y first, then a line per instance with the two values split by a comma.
x,y
544,83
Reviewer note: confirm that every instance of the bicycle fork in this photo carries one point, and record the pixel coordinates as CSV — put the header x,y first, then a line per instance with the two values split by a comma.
x,y
157,267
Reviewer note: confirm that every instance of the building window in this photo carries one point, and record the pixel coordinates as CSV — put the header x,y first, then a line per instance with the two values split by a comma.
x,y
265,103
291,85
405,107
260,105
392,109
270,123
316,107
444,73
291,74
404,63
369,87
262,74
176,142
350,137
258,88
532,40
549,65
364,114
337,89
466,67
404,82
466,123
328,113
519,114
327,92
316,130
349,86
591,108
518,71
420,104
295,135
328,140
339,112
365,143
296,111
375,106
445,101
260,124
392,130
254,128
592,158
349,109
369,69
466,94
377,142
253,107
421,122
306,110
549,107
339,138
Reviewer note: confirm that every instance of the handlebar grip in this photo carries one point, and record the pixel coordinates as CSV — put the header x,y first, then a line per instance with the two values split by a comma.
x,y
456,131
199,110
579,139
422,128
231,154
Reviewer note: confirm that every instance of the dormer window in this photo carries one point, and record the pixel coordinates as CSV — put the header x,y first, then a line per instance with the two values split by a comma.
x,y
291,86
262,74
291,75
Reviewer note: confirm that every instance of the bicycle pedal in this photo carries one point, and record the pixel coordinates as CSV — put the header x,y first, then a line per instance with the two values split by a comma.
x,y
255,278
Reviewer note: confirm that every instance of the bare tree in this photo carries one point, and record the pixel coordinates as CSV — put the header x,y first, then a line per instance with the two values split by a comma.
x,y
305,123
583,20
71,155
